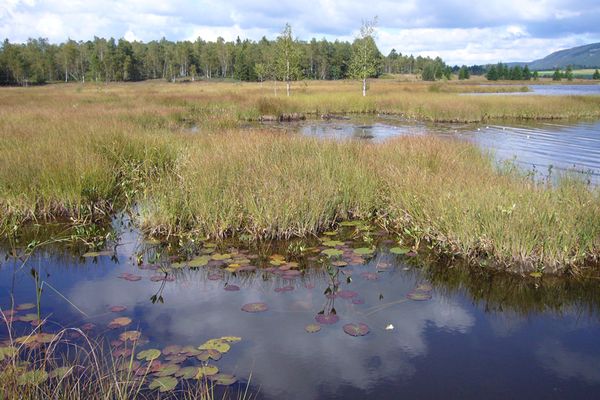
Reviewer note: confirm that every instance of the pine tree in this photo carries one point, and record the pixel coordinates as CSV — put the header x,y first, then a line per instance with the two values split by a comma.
x,y
526,73
557,76
596,75
569,73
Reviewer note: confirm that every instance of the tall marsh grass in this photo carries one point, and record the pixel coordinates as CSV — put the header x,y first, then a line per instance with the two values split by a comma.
x,y
80,153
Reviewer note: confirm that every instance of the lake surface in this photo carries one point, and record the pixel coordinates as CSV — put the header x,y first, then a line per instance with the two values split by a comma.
x,y
543,147
450,334
547,90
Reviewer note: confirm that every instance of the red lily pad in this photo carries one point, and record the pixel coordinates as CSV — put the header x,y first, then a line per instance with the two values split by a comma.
x,y
255,307
232,288
130,277
370,276
358,301
328,319
347,294
117,309
358,329
172,349
213,354
214,277
288,288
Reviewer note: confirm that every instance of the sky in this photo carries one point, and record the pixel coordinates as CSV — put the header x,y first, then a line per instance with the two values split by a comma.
x,y
460,32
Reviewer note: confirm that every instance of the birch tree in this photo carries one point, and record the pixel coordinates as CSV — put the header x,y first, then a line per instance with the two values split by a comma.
x,y
288,57
365,55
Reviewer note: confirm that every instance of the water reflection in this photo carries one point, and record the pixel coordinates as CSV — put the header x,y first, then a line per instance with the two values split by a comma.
x,y
484,318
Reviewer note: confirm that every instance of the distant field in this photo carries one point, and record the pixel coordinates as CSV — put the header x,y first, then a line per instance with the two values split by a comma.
x,y
578,73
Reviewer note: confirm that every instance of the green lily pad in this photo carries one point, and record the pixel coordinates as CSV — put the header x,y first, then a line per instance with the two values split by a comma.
x,y
204,355
149,355
312,328
223,379
7,352
28,317
220,257
364,251
130,335
330,233
187,373
98,253
215,344
351,223
419,296
34,378
60,373
255,307
332,252
536,274
206,370
167,370
172,349
164,384
198,262
231,339
332,243
25,306
399,250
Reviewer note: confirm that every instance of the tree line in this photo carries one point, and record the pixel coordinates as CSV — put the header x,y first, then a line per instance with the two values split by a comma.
x,y
285,58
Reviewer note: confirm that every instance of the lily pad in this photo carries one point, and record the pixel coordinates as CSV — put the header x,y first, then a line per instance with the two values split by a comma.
x,y
25,306
330,233
255,307
198,262
172,349
119,322
148,355
231,339
351,223
133,336
97,253
358,329
418,296
204,355
358,301
332,252
424,287
168,370
327,319
215,344
33,378
28,317
347,294
288,288
7,352
536,274
312,328
117,309
332,243
220,257
223,379
130,277
364,251
399,250
187,373
370,276
206,370
60,373
232,288
176,358
164,384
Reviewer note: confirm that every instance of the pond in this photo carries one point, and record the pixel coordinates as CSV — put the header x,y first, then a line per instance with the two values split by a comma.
x,y
542,147
351,315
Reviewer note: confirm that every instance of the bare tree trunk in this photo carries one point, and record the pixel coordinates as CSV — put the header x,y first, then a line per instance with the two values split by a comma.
x,y
364,87
287,86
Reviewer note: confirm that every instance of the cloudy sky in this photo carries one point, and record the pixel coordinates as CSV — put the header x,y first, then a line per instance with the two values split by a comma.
x,y
469,32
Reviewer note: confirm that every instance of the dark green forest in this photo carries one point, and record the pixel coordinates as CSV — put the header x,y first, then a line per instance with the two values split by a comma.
x,y
108,60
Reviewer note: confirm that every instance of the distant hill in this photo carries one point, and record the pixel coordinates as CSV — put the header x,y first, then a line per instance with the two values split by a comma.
x,y
587,56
